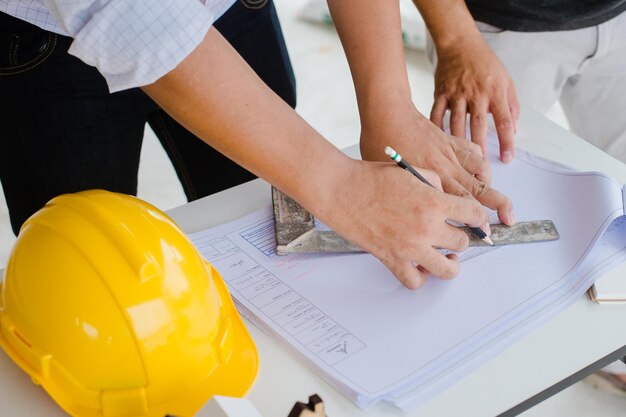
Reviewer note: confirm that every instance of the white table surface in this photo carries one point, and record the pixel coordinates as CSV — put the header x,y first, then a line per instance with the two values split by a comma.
x,y
582,334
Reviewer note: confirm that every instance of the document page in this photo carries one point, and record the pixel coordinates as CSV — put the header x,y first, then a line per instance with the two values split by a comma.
x,y
350,319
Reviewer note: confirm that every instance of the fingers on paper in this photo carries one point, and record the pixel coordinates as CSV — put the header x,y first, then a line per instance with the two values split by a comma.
x,y
514,107
413,275
439,265
505,126
465,210
478,123
470,157
488,197
452,238
501,203
438,111
458,118
408,274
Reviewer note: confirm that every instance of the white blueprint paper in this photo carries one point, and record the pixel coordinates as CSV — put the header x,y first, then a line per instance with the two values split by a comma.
x,y
349,318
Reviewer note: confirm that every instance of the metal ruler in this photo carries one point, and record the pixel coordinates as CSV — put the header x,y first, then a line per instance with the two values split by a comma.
x,y
296,233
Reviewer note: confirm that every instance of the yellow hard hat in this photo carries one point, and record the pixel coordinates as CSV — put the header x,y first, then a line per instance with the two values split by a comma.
x,y
109,307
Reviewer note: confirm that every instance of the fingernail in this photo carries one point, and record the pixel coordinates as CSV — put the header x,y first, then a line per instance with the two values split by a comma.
x,y
512,220
487,229
507,156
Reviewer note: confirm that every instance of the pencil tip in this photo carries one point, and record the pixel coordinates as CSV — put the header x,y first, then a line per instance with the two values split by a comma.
x,y
488,240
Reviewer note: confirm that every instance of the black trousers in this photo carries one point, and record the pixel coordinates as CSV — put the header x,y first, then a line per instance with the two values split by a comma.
x,y
61,131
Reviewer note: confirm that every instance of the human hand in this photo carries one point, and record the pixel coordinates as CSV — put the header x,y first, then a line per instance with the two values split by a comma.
x,y
459,163
392,215
469,78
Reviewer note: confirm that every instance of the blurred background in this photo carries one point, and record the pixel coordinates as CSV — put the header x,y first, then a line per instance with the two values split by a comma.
x,y
326,100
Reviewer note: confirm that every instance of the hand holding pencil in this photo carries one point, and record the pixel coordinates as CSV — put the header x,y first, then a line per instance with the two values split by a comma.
x,y
403,221
397,158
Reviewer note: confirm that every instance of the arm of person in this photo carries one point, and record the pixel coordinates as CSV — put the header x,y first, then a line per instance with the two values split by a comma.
x,y
378,206
469,78
371,36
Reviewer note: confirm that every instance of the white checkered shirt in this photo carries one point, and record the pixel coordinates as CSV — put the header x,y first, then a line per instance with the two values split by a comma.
x,y
131,42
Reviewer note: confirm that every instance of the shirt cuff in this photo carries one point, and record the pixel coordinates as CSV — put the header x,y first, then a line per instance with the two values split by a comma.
x,y
134,43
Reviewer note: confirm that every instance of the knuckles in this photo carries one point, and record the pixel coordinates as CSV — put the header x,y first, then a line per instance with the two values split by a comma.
x,y
478,118
479,188
457,117
504,124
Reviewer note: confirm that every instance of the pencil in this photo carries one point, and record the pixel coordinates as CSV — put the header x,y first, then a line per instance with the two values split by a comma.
x,y
402,164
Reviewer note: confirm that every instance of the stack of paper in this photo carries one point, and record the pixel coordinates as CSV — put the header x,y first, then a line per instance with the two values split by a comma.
x,y
611,288
351,321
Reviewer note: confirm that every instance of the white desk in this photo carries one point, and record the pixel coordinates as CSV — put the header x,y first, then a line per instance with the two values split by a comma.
x,y
550,359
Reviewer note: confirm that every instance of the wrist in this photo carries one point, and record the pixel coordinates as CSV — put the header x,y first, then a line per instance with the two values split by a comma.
x,y
463,40
379,97
449,23
396,128
379,111
323,187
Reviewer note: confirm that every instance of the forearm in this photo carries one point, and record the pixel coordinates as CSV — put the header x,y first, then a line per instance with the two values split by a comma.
x,y
449,22
218,97
372,40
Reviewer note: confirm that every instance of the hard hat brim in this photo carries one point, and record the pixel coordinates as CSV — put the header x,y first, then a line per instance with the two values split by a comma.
x,y
233,377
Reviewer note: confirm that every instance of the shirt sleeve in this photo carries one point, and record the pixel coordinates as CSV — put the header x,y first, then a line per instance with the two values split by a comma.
x,y
132,42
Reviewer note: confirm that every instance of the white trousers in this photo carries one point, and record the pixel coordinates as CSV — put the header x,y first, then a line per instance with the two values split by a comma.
x,y
584,69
